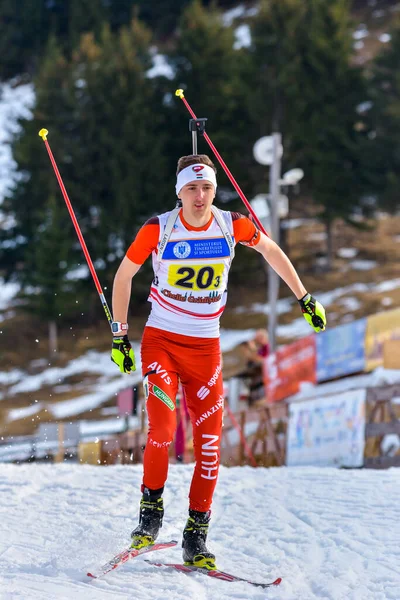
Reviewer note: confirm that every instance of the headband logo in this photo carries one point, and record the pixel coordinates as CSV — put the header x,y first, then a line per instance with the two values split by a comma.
x,y
198,168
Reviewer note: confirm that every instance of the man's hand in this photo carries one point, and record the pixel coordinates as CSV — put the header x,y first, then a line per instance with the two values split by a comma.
x,y
313,312
122,354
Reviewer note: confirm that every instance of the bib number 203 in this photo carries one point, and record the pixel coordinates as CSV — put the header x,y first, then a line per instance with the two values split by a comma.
x,y
196,278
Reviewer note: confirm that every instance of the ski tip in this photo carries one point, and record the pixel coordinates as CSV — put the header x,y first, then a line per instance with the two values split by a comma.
x,y
277,581
91,575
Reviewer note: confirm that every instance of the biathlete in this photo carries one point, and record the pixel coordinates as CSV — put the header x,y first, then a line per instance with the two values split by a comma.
x,y
192,248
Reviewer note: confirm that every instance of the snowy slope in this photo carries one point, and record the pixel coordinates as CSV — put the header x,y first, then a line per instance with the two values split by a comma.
x,y
331,534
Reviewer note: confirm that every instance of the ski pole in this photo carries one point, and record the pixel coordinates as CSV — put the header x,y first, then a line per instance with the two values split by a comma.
x,y
231,178
43,134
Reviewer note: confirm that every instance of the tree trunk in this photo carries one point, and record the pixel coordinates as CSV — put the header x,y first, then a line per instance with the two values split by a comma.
x,y
53,339
329,245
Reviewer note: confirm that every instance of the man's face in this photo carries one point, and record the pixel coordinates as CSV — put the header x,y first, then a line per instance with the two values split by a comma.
x,y
197,197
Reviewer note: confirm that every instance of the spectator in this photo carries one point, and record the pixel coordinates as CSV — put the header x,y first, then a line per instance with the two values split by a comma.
x,y
249,353
255,351
262,345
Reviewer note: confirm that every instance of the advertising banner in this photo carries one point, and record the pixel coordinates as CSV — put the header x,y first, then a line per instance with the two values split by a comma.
x,y
286,368
341,350
329,431
380,327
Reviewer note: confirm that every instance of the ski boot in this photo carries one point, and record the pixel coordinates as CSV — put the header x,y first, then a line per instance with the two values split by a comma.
x,y
195,552
150,519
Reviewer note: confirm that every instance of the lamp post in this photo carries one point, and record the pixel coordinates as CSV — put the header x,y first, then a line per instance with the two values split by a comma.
x,y
268,150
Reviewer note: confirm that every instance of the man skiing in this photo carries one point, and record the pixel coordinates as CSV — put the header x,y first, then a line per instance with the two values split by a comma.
x,y
192,248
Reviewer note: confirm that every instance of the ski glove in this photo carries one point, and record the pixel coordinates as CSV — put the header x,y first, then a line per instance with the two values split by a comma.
x,y
122,354
313,312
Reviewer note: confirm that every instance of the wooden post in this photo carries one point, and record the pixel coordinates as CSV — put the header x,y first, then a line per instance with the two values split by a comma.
x,y
382,421
60,454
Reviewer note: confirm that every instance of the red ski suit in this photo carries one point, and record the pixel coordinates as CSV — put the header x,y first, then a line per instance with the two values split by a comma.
x,y
168,355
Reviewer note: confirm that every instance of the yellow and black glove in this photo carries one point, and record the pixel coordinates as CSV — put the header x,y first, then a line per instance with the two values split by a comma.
x,y
313,312
122,354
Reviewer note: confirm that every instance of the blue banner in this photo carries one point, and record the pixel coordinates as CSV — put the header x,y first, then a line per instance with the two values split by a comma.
x,y
197,249
341,350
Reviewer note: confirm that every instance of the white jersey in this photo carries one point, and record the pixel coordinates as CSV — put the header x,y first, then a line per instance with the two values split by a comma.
x,y
189,290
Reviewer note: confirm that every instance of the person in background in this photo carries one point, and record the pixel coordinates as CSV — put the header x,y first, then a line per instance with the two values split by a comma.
x,y
192,247
261,345
255,351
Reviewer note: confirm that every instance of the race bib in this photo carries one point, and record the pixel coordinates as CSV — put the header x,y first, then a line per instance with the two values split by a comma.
x,y
196,278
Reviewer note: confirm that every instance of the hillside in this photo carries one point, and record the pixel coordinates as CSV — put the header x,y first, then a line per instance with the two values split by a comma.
x,y
365,279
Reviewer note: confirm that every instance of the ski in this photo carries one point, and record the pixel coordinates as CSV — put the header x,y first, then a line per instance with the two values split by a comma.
x,y
125,555
216,574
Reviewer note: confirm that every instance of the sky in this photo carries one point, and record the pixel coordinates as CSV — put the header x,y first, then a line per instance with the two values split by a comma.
x,y
330,534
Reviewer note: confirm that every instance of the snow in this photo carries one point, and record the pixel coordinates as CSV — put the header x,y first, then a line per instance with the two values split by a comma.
x,y
378,377
358,45
387,286
15,102
283,305
330,534
7,292
109,383
317,236
390,444
347,252
230,338
160,68
80,272
235,13
350,304
102,392
292,223
385,38
27,411
363,265
361,32
364,107
239,12
299,327
379,13
386,301
242,36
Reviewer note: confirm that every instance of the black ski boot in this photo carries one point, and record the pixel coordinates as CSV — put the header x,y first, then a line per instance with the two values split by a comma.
x,y
150,519
195,552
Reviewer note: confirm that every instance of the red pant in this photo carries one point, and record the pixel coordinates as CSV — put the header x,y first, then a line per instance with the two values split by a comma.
x,y
167,357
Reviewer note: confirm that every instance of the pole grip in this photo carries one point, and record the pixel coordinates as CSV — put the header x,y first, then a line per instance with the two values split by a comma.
x,y
231,178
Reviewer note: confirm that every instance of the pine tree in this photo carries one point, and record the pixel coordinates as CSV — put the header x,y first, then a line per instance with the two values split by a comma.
x,y
384,118
27,25
51,296
21,40
107,139
302,51
120,140
161,15
210,70
25,204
